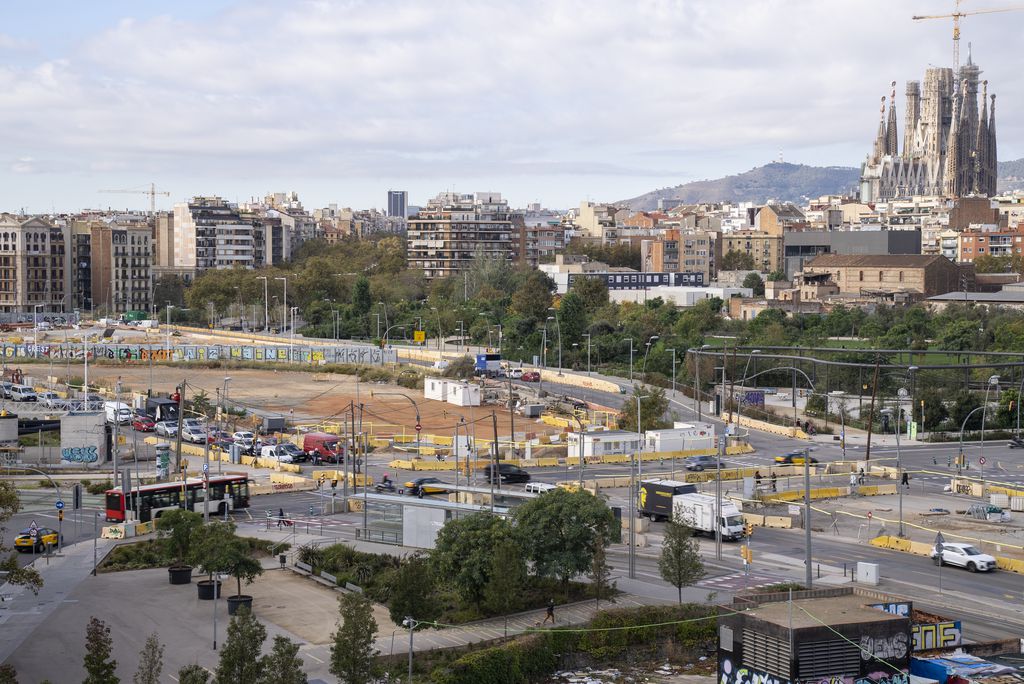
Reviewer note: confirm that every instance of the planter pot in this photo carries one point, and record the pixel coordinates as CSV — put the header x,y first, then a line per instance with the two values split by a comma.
x,y
236,602
208,589
180,574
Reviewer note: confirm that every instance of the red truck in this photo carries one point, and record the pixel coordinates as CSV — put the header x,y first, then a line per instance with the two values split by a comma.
x,y
324,446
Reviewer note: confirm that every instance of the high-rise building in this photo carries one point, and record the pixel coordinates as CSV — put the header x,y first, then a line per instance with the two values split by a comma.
x,y
34,264
209,233
111,265
949,146
453,229
398,203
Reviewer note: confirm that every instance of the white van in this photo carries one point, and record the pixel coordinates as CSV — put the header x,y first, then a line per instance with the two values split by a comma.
x,y
117,412
23,393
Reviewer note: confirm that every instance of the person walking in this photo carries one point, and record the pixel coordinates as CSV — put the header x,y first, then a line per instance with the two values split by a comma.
x,y
773,478
551,612
280,516
906,480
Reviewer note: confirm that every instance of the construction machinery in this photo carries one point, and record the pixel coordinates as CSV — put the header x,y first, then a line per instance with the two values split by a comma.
x,y
956,15
152,192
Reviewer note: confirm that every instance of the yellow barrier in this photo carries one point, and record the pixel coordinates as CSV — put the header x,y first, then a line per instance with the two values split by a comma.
x,y
144,528
779,521
764,426
876,490
753,519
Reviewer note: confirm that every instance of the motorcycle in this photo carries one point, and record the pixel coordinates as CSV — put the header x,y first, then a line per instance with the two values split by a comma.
x,y
385,487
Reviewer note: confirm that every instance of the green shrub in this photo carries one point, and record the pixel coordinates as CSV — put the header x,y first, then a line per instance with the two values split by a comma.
x,y
152,553
99,487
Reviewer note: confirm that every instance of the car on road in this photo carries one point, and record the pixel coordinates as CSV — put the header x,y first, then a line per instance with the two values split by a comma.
x,y
167,428
531,376
964,556
507,473
143,423
515,373
44,535
794,458
196,435
1016,443
50,400
284,453
699,463
23,393
422,485
540,487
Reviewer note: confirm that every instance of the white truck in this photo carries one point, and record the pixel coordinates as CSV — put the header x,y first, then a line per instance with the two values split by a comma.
x,y
698,511
117,412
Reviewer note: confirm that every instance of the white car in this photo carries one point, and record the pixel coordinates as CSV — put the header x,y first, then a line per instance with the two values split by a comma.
x,y
540,487
167,428
193,423
515,373
243,435
283,453
964,556
50,400
196,435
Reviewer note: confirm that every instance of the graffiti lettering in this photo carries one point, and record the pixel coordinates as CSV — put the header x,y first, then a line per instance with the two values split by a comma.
x,y
143,354
835,679
87,454
885,678
889,647
729,674
902,609
936,635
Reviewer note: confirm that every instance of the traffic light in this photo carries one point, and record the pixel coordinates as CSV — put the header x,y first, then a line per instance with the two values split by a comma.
x,y
746,554
334,484
748,529
60,515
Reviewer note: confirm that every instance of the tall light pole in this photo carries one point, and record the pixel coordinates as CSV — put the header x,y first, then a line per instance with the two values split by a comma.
x,y
378,325
696,387
284,306
558,327
266,303
640,436
291,332
718,475
434,309
746,367
385,307
587,335
462,333
673,370
35,328
963,425
630,340
901,394
168,344
993,381
646,352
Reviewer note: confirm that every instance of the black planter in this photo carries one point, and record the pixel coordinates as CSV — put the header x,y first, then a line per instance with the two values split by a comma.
x,y
236,602
208,589
180,574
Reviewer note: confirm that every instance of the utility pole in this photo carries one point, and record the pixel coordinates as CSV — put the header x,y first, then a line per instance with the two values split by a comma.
x,y
871,409
809,575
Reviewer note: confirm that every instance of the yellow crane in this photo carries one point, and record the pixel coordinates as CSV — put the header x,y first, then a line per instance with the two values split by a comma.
x,y
956,15
152,192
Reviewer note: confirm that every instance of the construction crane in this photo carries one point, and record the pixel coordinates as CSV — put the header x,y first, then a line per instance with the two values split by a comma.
x,y
152,192
956,16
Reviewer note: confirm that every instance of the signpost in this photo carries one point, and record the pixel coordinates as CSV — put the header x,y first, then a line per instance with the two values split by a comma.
x,y
59,505
33,532
940,542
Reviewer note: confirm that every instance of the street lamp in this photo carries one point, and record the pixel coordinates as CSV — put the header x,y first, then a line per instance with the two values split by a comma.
x,y
963,425
434,309
696,386
266,304
648,351
746,367
993,381
630,340
462,333
673,370
35,328
284,306
384,340
385,307
587,335
558,327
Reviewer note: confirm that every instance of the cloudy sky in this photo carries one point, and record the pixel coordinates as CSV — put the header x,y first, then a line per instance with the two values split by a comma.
x,y
551,101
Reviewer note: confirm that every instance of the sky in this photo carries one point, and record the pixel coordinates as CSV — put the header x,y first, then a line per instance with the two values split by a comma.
x,y
550,101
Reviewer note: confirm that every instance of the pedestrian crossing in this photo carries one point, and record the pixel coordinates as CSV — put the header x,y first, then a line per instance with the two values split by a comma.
x,y
737,581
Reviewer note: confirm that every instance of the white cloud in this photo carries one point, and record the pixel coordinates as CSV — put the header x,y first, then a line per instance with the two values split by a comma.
x,y
537,89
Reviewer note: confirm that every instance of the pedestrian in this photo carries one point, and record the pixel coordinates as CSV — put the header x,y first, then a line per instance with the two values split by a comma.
x,y
853,480
906,480
860,476
551,612
280,516
757,479
773,482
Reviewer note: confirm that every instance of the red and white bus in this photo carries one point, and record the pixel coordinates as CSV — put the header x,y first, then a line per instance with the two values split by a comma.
x,y
226,492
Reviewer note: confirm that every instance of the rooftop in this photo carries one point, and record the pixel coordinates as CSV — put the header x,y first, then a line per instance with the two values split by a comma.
x,y
876,260
835,610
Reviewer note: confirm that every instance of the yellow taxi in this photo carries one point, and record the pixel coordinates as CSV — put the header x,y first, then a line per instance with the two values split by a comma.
x,y
422,485
44,535
794,458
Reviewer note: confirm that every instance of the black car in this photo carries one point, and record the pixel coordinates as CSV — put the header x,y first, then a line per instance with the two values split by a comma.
x,y
507,473
1016,443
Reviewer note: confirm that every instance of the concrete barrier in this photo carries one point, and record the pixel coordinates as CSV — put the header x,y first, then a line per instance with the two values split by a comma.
x,y
778,521
764,426
575,380
753,519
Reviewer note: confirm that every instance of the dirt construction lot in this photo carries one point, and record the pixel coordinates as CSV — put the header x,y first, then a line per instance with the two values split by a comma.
x,y
306,396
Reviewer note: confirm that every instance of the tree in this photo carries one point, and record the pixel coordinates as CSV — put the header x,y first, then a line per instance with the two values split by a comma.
x,y
362,302
592,291
680,564
558,531
282,665
935,411
775,276
99,667
193,674
959,336
179,527
964,402
210,547
352,649
8,675
240,656
754,282
15,574
240,564
600,572
414,591
736,261
572,317
151,662
507,577
653,404
532,299
463,552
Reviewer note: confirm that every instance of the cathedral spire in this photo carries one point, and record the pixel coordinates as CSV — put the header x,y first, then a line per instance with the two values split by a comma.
x,y
951,175
891,139
880,139
993,157
980,166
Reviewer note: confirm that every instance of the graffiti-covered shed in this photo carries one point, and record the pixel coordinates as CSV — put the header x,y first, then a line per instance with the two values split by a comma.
x,y
834,640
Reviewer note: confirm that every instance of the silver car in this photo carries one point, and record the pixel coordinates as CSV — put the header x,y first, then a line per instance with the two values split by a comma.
x,y
167,428
50,400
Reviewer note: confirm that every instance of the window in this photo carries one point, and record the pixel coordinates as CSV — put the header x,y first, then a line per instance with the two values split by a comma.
x,y
881,275
862,276
901,276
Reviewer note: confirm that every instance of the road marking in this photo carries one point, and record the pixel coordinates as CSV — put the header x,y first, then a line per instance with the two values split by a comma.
x,y
314,658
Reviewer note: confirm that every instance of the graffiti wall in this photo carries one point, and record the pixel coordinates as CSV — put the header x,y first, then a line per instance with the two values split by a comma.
x,y
128,353
901,609
734,673
83,439
929,635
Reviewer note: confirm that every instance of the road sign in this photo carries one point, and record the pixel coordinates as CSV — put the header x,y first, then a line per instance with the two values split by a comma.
x,y
419,336
33,526
869,515
59,505
206,467
418,427
981,460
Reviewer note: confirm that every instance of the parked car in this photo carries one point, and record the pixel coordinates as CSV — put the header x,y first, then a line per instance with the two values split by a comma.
x,y
515,373
193,422
44,535
699,463
285,453
5,388
167,428
323,445
243,435
540,487
964,556
422,485
794,458
143,423
50,400
196,435
506,472
23,393
531,376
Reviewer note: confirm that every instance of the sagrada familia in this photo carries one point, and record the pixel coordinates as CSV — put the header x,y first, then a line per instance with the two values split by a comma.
x,y
949,147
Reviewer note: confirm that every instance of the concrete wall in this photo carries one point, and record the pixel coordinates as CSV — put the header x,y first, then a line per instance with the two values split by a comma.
x,y
83,439
420,525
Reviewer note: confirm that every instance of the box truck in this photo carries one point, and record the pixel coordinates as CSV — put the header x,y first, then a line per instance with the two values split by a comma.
x,y
117,412
698,511
655,497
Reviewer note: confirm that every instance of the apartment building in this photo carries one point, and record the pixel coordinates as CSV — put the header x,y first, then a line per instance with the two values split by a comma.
x,y
886,275
453,228
34,265
112,263
209,233
535,243
676,251
765,248
989,240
